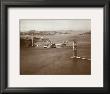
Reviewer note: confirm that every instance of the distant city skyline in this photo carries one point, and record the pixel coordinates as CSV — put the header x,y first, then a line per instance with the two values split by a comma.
x,y
54,25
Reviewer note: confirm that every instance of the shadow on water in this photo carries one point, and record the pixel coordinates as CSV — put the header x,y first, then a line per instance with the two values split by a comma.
x,y
81,67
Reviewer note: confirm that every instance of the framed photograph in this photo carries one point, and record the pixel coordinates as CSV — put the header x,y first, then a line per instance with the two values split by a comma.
x,y
55,46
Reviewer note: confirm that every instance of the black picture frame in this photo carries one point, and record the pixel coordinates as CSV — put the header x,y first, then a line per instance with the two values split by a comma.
x,y
5,4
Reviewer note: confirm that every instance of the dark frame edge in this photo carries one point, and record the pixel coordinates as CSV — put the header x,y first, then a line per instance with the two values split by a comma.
x,y
54,3
3,50
106,46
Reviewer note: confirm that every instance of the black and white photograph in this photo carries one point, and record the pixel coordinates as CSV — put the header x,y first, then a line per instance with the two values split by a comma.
x,y
55,46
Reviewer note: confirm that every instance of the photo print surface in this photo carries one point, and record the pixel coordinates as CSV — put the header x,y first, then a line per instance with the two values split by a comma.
x,y
55,46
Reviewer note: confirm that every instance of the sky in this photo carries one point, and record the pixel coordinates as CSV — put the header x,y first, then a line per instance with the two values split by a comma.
x,y
52,25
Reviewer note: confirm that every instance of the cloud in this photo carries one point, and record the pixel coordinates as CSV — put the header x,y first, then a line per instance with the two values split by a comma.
x,y
51,25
